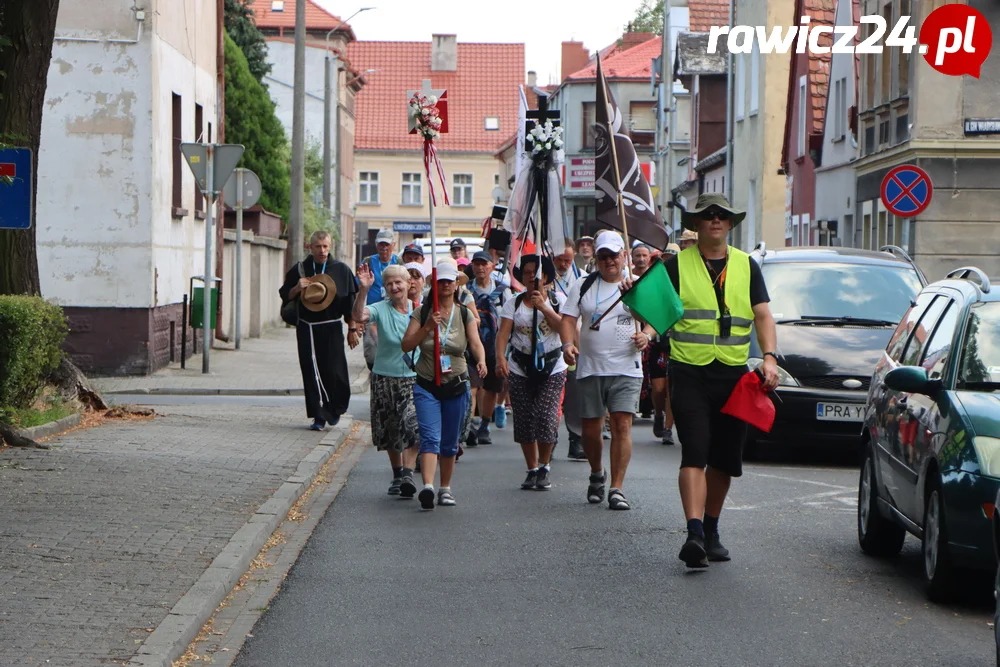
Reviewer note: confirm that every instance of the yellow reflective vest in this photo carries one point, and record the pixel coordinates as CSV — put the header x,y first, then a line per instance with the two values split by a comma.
x,y
695,338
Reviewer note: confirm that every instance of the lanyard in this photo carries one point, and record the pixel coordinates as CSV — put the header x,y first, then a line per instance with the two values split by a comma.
x,y
718,282
599,301
322,269
559,284
444,341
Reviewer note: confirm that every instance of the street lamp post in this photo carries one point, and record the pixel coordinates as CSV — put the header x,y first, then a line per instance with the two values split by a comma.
x,y
328,138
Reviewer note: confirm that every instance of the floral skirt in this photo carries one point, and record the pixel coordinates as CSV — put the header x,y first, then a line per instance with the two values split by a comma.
x,y
393,414
537,408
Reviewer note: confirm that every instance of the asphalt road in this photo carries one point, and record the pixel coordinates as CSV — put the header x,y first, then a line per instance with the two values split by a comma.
x,y
530,578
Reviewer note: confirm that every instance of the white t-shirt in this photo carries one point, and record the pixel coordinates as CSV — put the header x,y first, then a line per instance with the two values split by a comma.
x,y
564,284
610,350
520,337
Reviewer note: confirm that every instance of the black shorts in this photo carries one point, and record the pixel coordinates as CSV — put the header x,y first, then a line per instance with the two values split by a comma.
x,y
708,437
492,381
656,361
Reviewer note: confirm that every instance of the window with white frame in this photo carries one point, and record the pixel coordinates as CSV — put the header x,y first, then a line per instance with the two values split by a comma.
x,y
461,190
802,116
740,85
492,123
754,79
368,187
411,189
840,108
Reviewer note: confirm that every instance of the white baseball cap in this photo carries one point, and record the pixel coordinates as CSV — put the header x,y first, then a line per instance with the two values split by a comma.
x,y
384,236
415,266
608,240
447,271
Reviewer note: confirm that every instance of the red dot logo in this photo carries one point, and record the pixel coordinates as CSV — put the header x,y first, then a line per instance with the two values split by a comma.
x,y
956,40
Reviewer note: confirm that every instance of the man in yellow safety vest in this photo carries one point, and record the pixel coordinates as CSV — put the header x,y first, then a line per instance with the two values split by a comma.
x,y
723,293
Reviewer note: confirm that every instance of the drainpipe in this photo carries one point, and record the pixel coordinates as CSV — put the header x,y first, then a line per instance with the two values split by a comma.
x,y
729,112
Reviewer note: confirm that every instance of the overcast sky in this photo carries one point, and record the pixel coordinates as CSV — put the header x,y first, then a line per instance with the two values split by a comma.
x,y
541,26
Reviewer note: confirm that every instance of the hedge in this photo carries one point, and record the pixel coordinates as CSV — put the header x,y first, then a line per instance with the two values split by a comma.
x,y
32,332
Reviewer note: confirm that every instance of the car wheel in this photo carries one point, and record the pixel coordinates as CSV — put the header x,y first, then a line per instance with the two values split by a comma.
x,y
938,568
877,535
996,614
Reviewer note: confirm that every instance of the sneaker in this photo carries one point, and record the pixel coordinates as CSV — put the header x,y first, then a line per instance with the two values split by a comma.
x,y
407,489
394,487
445,498
576,451
668,437
543,483
658,422
714,548
426,499
500,416
693,552
530,481
472,440
318,425
483,436
607,433
595,491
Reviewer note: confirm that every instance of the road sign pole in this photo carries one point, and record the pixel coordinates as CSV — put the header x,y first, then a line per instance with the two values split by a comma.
x,y
239,256
207,333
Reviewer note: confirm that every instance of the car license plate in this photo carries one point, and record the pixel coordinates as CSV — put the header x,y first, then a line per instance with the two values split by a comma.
x,y
840,412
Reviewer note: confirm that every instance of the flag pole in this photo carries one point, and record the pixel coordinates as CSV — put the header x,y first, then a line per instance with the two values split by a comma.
x,y
434,286
618,187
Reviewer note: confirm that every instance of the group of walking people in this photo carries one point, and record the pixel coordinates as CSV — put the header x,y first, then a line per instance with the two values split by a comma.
x,y
553,335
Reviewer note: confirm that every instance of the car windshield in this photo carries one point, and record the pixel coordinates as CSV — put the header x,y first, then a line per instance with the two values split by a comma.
x,y
981,348
839,290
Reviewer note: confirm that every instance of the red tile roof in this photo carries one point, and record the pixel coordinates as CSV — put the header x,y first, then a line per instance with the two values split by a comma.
x,y
317,18
822,12
703,14
634,63
485,84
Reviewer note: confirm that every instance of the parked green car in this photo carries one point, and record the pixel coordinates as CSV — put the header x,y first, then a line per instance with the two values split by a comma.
x,y
931,436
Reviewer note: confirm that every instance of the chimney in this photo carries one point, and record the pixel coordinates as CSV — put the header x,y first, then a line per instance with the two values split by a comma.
x,y
574,59
631,39
532,79
444,53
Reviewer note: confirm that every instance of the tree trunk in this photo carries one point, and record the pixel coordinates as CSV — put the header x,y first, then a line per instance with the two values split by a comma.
x,y
27,28
9,436
74,386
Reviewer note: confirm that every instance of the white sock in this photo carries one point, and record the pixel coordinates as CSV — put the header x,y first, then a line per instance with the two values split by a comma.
x,y
429,486
445,488
532,469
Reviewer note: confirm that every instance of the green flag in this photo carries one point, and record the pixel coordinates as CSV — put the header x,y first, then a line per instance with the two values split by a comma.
x,y
654,299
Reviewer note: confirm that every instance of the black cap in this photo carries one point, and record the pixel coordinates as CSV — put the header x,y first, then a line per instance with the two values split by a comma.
x,y
457,243
413,247
483,256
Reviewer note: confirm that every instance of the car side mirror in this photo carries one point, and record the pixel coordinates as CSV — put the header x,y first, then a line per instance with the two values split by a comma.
x,y
912,380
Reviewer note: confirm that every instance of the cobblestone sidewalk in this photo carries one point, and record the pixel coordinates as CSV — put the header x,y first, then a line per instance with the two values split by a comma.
x,y
105,532
266,365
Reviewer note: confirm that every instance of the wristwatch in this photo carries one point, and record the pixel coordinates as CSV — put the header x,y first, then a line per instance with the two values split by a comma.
x,y
771,354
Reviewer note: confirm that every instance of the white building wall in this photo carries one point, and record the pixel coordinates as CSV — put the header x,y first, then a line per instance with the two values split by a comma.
x,y
94,181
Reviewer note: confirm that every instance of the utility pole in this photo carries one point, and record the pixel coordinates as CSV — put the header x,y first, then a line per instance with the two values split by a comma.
x,y
295,225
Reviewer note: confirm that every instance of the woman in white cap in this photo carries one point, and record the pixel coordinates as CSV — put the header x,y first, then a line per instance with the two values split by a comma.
x,y
536,376
441,409
393,417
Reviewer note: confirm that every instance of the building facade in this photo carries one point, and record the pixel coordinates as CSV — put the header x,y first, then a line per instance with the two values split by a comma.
x,y
391,189
276,20
758,187
125,88
911,114
835,174
809,75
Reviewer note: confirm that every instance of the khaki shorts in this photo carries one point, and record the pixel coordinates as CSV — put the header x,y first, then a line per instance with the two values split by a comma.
x,y
601,394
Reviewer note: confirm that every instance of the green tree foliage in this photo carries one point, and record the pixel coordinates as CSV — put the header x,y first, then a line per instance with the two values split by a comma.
x,y
241,27
648,18
251,121
316,215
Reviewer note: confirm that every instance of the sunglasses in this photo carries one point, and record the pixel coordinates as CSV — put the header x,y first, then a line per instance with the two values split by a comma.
x,y
721,215
607,256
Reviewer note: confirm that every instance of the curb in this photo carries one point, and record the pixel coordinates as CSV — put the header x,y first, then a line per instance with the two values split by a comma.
x,y
358,386
52,428
183,623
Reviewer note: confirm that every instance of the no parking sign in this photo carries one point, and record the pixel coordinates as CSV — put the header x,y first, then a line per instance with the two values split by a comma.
x,y
906,190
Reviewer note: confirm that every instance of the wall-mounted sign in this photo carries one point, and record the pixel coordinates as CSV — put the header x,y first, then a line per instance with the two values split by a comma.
x,y
412,227
578,173
980,126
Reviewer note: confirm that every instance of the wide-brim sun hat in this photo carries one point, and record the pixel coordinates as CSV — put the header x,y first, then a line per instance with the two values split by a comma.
x,y
319,293
548,268
688,235
707,200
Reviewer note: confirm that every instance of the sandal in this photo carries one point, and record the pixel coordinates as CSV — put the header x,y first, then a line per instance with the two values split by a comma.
x,y
617,500
445,499
595,492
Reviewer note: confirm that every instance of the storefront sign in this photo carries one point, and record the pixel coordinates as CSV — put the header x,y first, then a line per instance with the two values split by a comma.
x,y
412,227
578,173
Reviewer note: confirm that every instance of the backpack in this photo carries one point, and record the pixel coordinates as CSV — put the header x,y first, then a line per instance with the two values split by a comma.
x,y
425,312
588,282
290,308
489,322
519,299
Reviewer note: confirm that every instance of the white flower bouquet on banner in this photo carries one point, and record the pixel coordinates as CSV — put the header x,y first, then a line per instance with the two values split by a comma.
x,y
546,141
425,116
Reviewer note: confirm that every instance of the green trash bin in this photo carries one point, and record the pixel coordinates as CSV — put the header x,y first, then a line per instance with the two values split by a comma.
x,y
198,307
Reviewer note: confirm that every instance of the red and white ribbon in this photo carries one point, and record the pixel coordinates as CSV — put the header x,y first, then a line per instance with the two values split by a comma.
x,y
431,158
